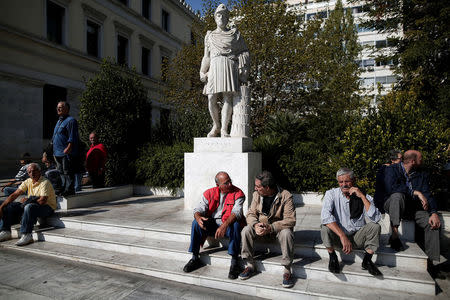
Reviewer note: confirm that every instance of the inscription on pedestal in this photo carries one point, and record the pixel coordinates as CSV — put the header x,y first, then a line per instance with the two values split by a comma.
x,y
229,145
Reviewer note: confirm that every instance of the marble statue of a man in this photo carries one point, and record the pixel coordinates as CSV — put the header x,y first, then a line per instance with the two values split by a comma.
x,y
224,68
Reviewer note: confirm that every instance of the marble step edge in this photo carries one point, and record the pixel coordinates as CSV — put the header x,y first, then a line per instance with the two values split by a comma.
x,y
106,228
238,286
219,258
300,247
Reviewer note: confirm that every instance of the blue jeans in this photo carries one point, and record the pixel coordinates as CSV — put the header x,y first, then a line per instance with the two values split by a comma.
x,y
13,211
64,165
198,235
78,181
9,190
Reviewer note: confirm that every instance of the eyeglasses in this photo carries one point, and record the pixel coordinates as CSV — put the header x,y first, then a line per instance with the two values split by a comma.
x,y
226,183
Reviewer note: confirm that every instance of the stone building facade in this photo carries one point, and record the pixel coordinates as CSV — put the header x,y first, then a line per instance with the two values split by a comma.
x,y
48,47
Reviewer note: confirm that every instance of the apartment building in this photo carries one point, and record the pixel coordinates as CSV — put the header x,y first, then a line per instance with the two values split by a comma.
x,y
374,75
48,47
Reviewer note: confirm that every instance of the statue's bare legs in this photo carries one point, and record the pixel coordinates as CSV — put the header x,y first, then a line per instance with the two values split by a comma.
x,y
214,112
227,110
226,114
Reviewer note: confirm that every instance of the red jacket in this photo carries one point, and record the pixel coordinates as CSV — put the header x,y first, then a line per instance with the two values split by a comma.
x,y
213,197
96,158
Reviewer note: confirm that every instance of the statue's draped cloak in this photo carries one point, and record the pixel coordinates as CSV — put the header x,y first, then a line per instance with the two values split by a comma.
x,y
225,48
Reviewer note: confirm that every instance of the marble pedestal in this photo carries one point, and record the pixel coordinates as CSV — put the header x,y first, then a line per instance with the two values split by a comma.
x,y
211,155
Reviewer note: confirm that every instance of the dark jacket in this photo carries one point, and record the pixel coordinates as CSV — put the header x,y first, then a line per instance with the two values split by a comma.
x,y
395,182
378,197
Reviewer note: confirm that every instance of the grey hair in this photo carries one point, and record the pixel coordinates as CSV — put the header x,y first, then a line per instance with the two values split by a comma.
x,y
66,104
267,179
35,165
345,171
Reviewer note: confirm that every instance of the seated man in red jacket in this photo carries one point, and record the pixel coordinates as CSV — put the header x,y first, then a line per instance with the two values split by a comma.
x,y
95,161
218,214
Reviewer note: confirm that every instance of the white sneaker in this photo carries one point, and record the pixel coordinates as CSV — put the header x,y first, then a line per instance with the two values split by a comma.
x,y
27,238
5,235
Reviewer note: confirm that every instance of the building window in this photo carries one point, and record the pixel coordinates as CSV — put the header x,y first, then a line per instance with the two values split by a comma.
x,y
147,9
368,81
165,20
122,50
55,22
92,38
146,61
381,44
164,66
52,94
310,16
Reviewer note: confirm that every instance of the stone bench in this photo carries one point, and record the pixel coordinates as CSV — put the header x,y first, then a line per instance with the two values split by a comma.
x,y
406,229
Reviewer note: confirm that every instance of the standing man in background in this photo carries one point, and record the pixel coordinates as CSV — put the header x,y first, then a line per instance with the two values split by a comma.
x,y
65,147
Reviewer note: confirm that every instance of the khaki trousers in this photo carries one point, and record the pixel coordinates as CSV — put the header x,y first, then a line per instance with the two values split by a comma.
x,y
368,237
285,237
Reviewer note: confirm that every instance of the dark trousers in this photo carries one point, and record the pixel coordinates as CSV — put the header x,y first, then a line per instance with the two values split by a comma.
x,y
65,166
98,181
395,207
12,214
198,235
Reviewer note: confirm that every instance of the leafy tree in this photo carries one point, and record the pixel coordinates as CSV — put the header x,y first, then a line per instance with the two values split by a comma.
x,y
303,79
422,49
114,104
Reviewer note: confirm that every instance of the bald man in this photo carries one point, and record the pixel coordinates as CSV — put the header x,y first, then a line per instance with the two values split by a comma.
x,y
408,196
218,214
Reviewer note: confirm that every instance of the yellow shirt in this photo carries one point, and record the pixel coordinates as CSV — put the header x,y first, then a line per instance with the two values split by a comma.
x,y
42,187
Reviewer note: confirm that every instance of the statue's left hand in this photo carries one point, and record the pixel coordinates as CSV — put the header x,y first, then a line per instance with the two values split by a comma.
x,y
203,77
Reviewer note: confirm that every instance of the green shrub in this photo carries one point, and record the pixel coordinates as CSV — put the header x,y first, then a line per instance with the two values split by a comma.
x,y
401,122
115,105
162,165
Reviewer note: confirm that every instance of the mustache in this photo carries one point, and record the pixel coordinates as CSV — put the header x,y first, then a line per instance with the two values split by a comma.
x,y
345,187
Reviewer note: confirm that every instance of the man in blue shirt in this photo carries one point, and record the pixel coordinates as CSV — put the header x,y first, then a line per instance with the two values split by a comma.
x,y
407,195
343,216
65,147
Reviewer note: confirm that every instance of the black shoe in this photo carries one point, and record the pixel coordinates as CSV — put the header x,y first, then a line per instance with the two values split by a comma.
x,y
235,270
370,266
66,194
192,265
333,264
435,271
396,244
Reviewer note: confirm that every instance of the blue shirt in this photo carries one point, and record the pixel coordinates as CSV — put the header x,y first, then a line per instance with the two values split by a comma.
x,y
336,208
66,131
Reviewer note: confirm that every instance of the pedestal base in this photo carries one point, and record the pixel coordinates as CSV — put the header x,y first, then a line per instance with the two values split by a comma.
x,y
200,168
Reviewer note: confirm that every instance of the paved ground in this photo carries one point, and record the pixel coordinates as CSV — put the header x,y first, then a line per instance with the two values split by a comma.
x,y
26,276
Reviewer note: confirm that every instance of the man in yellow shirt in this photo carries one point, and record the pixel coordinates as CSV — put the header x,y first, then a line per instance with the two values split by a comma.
x,y
43,206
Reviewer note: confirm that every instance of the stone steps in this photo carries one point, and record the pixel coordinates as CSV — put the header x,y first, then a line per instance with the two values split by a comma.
x,y
89,197
265,285
309,267
307,243
150,235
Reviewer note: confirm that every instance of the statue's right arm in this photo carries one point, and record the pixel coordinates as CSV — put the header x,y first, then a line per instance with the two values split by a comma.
x,y
205,61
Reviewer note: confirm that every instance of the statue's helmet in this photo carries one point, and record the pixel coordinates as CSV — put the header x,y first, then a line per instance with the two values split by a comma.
x,y
222,9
